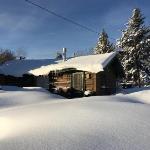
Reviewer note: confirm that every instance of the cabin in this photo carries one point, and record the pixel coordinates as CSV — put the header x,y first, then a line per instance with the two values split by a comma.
x,y
84,75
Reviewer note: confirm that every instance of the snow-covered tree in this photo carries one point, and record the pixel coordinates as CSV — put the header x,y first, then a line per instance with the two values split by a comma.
x,y
145,61
136,49
103,45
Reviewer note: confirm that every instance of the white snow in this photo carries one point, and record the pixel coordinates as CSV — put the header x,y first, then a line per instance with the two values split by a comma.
x,y
88,92
16,96
139,94
92,123
20,67
91,63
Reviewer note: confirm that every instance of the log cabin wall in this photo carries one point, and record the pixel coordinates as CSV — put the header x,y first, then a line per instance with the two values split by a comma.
x,y
90,81
65,79
62,80
102,83
106,82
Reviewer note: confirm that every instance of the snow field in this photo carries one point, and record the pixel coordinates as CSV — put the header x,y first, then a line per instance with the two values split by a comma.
x,y
92,123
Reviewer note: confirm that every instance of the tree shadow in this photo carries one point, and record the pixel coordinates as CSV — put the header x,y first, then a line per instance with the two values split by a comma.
x,y
134,90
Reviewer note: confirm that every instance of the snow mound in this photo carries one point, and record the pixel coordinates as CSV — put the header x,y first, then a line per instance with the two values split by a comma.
x,y
138,94
11,96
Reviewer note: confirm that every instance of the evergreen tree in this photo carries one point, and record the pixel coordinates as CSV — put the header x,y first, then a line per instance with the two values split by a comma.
x,y
135,56
103,45
145,61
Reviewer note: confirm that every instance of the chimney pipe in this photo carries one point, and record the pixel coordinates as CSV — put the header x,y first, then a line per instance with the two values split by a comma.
x,y
64,54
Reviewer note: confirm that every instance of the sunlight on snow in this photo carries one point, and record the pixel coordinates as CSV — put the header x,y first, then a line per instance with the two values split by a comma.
x,y
5,127
14,127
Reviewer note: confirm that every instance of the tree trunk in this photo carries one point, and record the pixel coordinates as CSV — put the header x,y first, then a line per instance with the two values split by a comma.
x,y
137,65
138,70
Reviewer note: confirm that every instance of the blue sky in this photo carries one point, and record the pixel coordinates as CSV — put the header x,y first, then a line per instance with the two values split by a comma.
x,y
23,26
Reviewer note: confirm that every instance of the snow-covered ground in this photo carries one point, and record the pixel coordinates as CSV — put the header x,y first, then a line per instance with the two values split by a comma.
x,y
138,94
15,96
33,119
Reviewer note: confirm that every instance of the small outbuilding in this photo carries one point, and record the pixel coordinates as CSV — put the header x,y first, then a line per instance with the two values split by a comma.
x,y
88,75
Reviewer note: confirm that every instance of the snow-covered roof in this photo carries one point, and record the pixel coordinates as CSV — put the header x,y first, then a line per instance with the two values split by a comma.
x,y
91,63
20,67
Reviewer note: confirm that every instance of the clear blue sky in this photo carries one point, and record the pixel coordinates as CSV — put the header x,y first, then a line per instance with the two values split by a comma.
x,y
41,34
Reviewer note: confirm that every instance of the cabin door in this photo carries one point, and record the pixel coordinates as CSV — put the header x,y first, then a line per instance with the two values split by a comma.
x,y
77,81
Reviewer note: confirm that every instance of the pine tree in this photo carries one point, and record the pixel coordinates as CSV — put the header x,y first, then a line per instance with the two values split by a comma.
x,y
135,56
145,61
103,45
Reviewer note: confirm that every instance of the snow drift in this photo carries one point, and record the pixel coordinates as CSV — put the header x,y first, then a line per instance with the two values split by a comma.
x,y
92,123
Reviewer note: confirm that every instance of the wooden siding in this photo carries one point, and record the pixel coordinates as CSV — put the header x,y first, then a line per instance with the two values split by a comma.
x,y
102,83
67,80
106,82
90,81
62,80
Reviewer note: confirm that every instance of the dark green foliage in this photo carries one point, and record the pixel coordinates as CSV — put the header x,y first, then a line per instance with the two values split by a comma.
x,y
103,45
135,57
